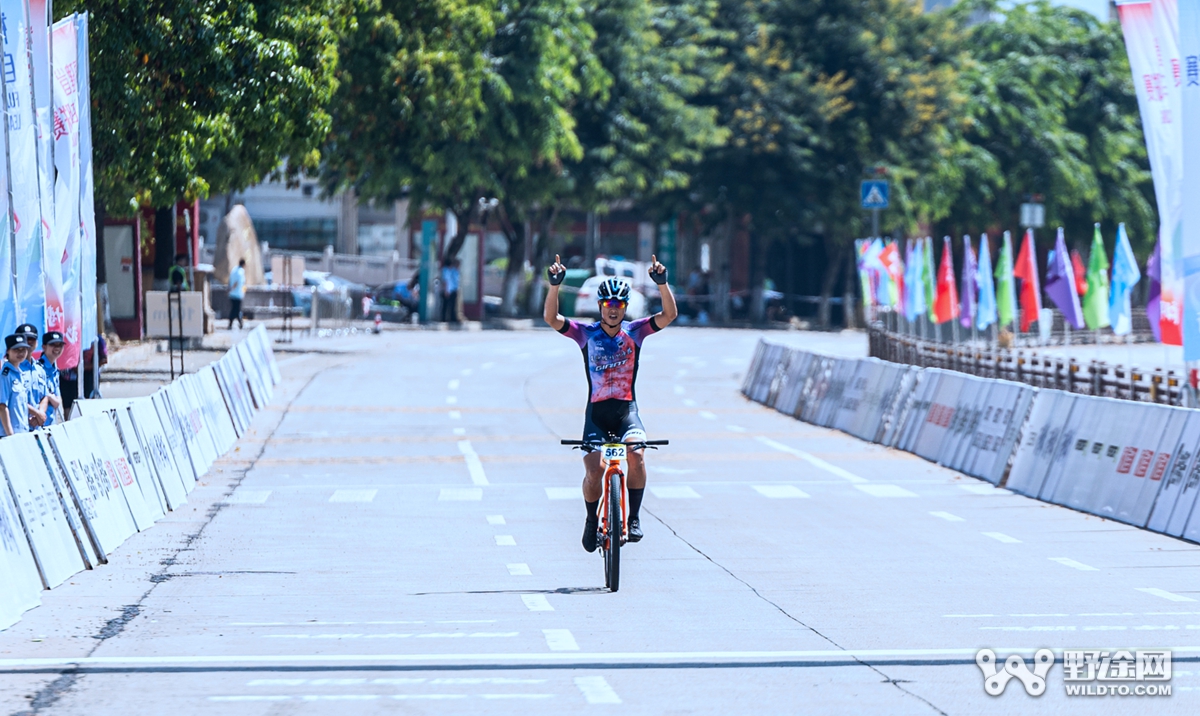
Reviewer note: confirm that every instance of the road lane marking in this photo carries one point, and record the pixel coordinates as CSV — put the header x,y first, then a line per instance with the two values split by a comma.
x,y
985,490
596,690
679,390
735,428
323,623
460,494
452,385
353,495
707,415
886,491
582,658
563,493
1072,563
1165,594
474,466
451,399
780,491
506,541
811,460
496,520
248,497
1001,537
948,517
560,640
537,602
674,492
455,415
1032,628
516,696
519,569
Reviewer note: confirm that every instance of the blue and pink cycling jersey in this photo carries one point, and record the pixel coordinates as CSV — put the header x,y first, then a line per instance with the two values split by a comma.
x,y
611,362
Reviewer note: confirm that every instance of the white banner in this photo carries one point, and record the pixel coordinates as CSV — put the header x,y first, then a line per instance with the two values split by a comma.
x,y
65,229
1189,50
87,187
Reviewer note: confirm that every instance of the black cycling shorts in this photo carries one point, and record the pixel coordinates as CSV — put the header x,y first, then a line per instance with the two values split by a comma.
x,y
613,421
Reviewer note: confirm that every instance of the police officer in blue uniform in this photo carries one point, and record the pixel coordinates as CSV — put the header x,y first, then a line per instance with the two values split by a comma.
x,y
35,376
50,397
14,391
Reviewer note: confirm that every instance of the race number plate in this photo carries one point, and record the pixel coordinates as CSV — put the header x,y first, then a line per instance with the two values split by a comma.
x,y
614,452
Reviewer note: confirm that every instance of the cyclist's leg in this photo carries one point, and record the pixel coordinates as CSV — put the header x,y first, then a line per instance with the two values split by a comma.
x,y
593,474
635,475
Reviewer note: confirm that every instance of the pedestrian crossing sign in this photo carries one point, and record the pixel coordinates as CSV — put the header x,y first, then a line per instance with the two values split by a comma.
x,y
874,194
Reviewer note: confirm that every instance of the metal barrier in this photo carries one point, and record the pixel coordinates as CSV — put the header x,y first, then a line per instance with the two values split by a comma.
x,y
1096,378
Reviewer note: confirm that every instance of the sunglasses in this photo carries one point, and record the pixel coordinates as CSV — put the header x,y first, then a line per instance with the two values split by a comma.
x,y
613,303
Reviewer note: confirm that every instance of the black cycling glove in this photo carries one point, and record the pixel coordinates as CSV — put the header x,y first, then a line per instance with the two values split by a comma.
x,y
659,278
555,278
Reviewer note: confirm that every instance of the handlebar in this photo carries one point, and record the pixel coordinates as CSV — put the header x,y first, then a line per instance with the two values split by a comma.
x,y
634,446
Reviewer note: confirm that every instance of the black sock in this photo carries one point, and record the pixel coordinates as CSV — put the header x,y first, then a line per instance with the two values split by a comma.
x,y
592,507
635,502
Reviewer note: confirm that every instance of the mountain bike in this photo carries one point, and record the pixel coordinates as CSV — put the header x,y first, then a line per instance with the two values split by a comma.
x,y
613,526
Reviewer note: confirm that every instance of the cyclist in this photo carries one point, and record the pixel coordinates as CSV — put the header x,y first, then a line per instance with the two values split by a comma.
x,y
610,354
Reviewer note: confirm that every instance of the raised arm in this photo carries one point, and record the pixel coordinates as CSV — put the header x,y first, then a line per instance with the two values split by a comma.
x,y
555,273
669,312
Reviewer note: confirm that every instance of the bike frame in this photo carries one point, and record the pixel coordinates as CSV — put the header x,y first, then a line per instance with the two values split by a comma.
x,y
612,466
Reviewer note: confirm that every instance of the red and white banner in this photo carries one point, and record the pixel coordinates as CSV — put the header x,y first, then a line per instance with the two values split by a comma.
x,y
87,187
1152,41
65,229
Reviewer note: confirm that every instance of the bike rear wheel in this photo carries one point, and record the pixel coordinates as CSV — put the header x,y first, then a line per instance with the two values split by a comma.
x,y
616,527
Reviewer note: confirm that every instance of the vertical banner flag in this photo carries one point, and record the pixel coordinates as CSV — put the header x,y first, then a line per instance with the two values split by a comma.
x,y
986,311
1151,34
1095,301
967,295
1077,267
1154,291
946,306
914,294
8,286
1125,275
860,250
39,64
22,165
929,276
65,230
890,258
1031,293
1006,294
1060,282
87,188
1189,50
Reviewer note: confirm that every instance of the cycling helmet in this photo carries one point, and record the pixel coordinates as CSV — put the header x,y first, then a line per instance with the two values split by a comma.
x,y
613,288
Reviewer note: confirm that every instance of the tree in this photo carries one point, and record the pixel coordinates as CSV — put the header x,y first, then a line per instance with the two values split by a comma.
x,y
205,96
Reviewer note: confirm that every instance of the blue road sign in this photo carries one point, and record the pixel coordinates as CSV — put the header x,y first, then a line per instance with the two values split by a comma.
x,y
874,194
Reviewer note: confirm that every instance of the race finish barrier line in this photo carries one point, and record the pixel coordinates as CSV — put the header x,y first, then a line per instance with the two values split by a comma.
x,y
71,494
1125,460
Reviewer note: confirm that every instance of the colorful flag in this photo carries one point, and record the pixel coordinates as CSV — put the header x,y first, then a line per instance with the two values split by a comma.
x,y
65,232
1095,301
1031,293
1189,48
1080,272
928,275
1060,282
43,101
914,294
1006,293
87,188
861,246
1125,275
894,266
967,295
985,313
945,307
1154,291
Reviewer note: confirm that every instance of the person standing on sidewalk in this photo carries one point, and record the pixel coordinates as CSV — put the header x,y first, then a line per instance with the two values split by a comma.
x,y
52,347
14,387
35,376
450,280
237,292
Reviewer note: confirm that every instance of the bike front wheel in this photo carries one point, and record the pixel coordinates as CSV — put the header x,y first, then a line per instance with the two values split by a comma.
x,y
616,527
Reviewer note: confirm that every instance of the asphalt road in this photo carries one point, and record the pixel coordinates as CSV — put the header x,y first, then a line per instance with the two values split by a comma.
x,y
401,535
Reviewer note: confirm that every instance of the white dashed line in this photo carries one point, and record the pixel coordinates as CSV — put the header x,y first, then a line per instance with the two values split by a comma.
x,y
1165,594
780,491
506,541
985,490
537,602
811,460
735,428
519,569
474,466
495,519
1073,564
248,497
596,690
451,399
455,415
563,493
707,415
560,640
886,491
674,492
460,494
1001,537
947,516
452,385
353,495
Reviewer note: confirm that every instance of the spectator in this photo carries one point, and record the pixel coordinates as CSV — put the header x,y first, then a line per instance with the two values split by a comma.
x,y
14,388
35,377
178,275
450,279
52,348
70,378
237,292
